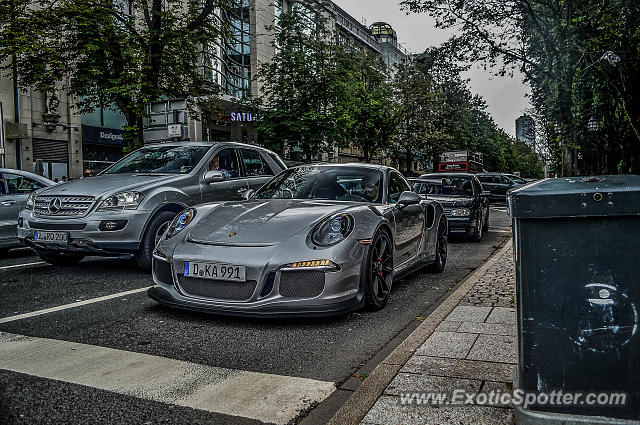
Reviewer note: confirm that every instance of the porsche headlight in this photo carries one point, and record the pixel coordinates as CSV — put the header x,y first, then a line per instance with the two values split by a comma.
x,y
31,201
461,212
122,200
181,221
333,230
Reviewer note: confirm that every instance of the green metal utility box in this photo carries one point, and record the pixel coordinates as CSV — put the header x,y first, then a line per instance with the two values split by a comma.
x,y
577,257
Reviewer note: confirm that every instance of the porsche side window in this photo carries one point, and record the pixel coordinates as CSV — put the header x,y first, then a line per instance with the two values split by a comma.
x,y
397,185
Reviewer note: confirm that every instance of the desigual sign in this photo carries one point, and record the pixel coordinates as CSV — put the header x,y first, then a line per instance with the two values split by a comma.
x,y
101,135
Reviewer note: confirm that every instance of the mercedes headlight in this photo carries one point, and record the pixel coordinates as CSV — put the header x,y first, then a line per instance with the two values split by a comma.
x,y
31,201
122,200
332,230
461,212
181,221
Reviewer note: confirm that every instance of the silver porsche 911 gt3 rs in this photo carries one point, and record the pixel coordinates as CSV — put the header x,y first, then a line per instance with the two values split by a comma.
x,y
315,240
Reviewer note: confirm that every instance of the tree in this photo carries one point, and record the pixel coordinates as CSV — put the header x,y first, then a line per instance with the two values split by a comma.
x,y
420,114
373,117
111,53
305,86
559,46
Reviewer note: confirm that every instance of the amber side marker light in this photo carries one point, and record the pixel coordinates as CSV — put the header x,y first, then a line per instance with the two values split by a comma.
x,y
314,263
366,241
326,265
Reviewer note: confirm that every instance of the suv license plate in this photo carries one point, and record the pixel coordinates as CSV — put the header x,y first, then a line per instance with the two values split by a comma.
x,y
51,237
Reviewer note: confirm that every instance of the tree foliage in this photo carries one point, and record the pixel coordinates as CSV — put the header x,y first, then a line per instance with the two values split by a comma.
x,y
107,52
580,57
304,87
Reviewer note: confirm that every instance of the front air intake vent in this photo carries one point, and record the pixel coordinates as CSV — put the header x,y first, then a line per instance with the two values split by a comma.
x,y
301,284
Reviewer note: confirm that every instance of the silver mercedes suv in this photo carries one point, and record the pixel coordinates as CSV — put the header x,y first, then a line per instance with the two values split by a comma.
x,y
127,207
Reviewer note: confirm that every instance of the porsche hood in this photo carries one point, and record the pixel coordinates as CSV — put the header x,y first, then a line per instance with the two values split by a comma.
x,y
261,222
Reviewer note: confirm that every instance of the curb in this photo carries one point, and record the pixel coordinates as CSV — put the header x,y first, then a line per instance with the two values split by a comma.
x,y
358,405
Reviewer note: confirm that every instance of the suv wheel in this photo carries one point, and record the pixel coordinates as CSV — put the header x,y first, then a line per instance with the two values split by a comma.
x,y
151,237
59,258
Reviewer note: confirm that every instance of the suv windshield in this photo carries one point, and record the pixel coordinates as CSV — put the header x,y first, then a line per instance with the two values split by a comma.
x,y
160,160
336,184
446,186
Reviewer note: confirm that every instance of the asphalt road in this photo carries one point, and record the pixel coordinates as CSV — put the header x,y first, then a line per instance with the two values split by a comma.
x,y
258,357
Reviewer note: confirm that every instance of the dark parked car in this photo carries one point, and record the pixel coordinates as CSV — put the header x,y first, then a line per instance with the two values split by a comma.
x,y
499,184
461,195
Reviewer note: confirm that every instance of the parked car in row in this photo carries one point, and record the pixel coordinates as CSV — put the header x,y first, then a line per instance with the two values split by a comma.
x,y
15,188
315,240
462,196
128,206
498,184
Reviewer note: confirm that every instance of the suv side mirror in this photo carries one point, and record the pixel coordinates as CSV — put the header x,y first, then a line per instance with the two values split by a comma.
x,y
408,198
248,194
214,177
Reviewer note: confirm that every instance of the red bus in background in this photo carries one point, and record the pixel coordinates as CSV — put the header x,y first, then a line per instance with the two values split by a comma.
x,y
462,161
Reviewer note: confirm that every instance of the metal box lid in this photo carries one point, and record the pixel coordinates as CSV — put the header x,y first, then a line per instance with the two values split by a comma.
x,y
577,197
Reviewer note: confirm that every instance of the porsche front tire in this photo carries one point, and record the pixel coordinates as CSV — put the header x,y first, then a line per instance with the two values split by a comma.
x,y
378,272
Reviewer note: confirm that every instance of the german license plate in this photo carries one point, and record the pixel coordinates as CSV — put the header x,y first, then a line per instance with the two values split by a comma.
x,y
215,271
51,237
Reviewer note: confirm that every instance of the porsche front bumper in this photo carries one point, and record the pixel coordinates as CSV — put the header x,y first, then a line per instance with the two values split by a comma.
x,y
271,288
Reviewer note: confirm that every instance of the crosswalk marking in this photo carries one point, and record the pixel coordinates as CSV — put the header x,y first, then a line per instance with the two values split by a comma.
x,y
71,305
266,397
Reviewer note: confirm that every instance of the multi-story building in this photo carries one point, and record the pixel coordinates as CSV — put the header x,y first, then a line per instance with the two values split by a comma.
x,y
43,132
40,132
391,52
526,130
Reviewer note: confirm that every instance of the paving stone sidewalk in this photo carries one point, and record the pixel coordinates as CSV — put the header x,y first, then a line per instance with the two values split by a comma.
x,y
474,349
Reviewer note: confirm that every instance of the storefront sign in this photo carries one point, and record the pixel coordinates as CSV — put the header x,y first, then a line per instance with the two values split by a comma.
x,y
237,117
101,135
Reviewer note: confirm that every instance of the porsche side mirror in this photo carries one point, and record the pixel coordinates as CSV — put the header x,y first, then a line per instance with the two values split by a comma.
x,y
248,194
214,177
408,198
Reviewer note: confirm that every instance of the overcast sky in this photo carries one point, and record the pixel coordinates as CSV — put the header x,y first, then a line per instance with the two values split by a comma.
x,y
505,96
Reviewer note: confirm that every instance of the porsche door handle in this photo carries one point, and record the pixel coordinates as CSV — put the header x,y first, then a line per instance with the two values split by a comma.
x,y
8,203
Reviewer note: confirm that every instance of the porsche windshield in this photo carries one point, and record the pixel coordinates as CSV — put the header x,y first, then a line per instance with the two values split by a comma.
x,y
336,184
446,186
160,160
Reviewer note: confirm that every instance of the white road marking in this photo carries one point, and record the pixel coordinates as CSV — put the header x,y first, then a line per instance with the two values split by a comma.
x,y
71,305
261,396
22,265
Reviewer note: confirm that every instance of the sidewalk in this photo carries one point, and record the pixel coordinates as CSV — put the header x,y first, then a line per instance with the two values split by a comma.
x,y
469,343
473,349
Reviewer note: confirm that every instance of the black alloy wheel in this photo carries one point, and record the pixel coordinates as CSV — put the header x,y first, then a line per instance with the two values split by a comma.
x,y
442,248
379,272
